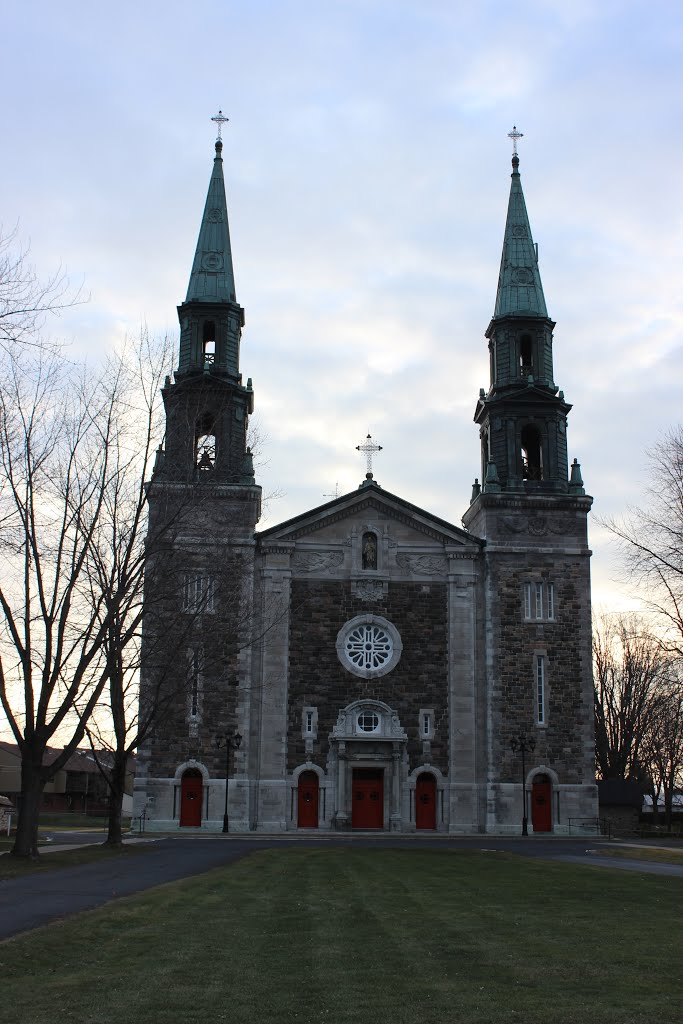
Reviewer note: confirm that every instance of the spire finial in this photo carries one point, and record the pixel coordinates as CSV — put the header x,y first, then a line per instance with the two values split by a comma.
x,y
514,135
220,120
368,449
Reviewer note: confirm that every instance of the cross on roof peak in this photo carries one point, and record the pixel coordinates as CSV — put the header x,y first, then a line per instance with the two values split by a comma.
x,y
368,449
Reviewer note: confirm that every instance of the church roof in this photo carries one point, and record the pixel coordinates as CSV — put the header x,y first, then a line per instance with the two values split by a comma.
x,y
212,278
369,494
520,291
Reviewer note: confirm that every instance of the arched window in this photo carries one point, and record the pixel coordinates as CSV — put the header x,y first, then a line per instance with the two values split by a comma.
x,y
526,356
369,550
205,446
209,343
532,463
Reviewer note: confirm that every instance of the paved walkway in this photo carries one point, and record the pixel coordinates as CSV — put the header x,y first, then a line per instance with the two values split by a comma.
x,y
44,896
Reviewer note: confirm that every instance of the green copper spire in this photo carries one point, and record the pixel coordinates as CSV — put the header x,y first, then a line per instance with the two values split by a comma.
x,y
212,278
520,291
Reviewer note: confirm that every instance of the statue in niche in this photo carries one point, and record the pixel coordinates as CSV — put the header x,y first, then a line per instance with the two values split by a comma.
x,y
369,551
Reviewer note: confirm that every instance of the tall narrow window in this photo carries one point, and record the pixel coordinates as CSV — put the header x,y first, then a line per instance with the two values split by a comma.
x,y
526,356
205,446
195,668
540,690
209,343
532,460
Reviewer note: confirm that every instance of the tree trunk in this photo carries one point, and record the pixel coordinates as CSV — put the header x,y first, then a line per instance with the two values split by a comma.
x,y
668,807
117,785
32,782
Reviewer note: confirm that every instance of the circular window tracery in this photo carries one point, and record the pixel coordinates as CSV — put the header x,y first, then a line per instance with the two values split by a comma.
x,y
369,646
368,721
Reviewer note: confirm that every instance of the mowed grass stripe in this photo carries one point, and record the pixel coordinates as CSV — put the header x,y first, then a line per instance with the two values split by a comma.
x,y
371,936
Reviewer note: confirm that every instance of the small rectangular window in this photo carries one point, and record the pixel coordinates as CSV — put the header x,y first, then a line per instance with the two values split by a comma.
x,y
198,593
539,602
540,689
309,725
426,723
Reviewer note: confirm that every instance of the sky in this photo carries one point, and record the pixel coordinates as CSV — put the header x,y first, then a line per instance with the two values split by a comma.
x,y
367,167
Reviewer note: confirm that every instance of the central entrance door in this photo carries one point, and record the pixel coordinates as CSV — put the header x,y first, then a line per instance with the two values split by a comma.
x,y
191,799
425,801
307,816
367,802
541,804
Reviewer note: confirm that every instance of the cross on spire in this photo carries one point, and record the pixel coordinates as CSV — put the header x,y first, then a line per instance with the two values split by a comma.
x,y
220,120
368,449
514,135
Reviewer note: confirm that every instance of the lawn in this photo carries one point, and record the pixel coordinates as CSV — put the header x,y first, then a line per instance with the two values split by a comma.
x,y
364,937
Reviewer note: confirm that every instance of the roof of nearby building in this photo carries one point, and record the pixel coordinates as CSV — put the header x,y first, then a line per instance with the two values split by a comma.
x,y
80,760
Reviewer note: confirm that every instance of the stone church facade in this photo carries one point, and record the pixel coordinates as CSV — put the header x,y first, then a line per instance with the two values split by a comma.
x,y
367,665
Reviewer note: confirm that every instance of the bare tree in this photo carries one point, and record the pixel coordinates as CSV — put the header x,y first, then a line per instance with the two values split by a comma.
x,y
663,744
25,299
652,538
630,667
59,430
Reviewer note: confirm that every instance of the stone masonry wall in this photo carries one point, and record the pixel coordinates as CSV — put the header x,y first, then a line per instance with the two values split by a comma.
x,y
170,636
560,744
316,677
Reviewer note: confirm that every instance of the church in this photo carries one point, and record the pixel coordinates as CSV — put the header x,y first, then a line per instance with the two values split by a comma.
x,y
367,665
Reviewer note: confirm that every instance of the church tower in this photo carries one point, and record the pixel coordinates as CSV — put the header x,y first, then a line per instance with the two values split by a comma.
x,y
531,510
203,508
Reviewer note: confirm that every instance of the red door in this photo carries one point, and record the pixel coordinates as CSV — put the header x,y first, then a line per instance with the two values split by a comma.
x,y
367,800
542,804
425,801
308,800
191,799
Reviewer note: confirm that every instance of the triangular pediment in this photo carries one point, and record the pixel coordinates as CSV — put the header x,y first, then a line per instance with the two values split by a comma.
x,y
369,504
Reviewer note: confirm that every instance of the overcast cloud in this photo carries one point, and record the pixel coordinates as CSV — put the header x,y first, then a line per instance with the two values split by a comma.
x,y
368,174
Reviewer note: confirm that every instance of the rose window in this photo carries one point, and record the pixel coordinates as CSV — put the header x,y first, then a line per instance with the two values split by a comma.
x,y
368,646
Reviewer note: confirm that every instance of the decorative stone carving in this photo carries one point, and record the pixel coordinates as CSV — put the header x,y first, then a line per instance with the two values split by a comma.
x,y
212,261
369,590
317,561
537,526
421,565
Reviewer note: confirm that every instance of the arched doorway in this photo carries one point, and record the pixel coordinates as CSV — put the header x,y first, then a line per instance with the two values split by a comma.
x,y
425,801
191,799
307,803
542,804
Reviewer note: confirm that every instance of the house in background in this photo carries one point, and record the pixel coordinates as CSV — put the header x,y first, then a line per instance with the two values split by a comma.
x,y
78,786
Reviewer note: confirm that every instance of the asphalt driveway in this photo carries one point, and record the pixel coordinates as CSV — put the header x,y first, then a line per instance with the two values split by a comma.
x,y
36,899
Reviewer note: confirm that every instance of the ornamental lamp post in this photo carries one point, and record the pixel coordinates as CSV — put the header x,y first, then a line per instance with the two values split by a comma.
x,y
523,744
229,742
